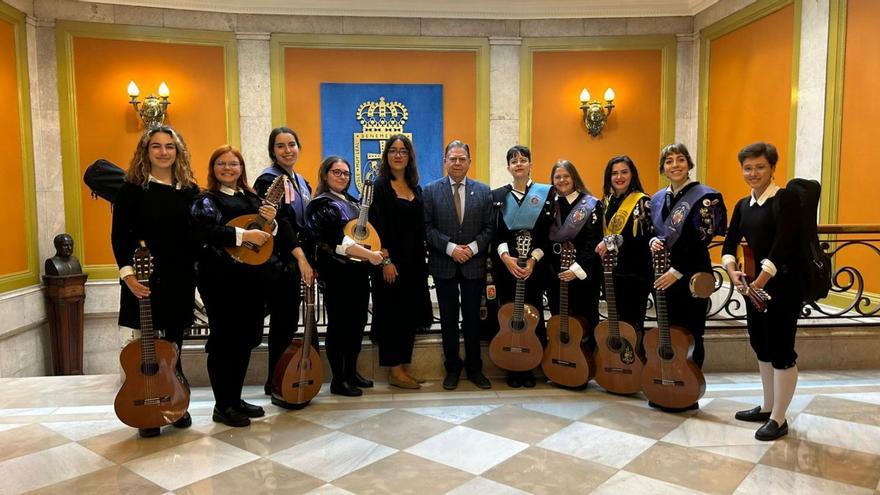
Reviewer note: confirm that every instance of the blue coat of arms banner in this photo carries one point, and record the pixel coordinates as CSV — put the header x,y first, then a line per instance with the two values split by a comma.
x,y
356,119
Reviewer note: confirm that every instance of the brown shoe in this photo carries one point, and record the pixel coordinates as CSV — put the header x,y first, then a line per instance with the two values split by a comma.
x,y
415,378
403,383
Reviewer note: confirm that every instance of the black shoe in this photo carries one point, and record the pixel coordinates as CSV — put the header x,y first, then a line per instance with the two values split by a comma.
x,y
479,379
361,382
451,380
251,410
528,380
267,389
514,381
343,388
753,414
148,432
185,421
771,430
231,416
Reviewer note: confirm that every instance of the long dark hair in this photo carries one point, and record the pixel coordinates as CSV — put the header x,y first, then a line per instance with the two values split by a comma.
x,y
635,184
274,134
579,185
324,169
410,173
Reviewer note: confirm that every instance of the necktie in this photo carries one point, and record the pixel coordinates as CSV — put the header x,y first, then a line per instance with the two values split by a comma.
x,y
456,198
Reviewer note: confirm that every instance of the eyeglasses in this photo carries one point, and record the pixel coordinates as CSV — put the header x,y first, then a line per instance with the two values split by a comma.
x,y
403,152
340,173
227,164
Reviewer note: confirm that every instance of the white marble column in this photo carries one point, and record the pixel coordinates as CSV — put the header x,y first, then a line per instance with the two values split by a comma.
x,y
255,99
811,88
503,104
687,94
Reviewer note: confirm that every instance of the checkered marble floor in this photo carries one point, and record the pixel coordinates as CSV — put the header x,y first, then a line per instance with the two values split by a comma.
x,y
60,435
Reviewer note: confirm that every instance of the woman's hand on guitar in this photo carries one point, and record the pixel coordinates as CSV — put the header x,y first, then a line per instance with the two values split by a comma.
x,y
511,263
567,276
306,272
267,212
601,249
656,244
389,273
665,281
139,290
736,278
254,236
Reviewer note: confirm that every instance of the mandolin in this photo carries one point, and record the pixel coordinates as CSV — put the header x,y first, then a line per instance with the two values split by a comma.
x,y
516,347
299,374
670,378
153,393
249,253
567,360
360,230
618,365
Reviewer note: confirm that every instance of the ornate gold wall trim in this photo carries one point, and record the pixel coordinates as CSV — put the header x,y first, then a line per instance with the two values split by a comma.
x,y
831,142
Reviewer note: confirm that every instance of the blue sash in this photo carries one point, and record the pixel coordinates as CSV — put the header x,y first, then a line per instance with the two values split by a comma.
x,y
301,197
348,211
670,229
519,216
565,231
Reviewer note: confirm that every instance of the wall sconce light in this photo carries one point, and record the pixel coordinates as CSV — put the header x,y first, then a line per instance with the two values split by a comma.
x,y
154,109
595,115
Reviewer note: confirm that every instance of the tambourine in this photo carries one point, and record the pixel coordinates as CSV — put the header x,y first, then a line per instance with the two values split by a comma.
x,y
702,285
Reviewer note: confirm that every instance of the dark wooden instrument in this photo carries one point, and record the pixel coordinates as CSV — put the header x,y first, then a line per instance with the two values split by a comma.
x,y
758,297
670,377
153,393
361,230
618,364
249,253
300,372
516,347
567,360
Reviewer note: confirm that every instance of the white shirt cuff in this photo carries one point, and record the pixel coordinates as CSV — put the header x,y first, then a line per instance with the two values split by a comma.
x,y
578,271
538,254
768,267
728,258
347,242
675,273
126,271
502,248
450,247
239,236
274,227
474,247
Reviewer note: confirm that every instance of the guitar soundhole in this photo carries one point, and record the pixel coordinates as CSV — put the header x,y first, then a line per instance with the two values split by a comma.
x,y
360,233
565,338
517,324
149,369
615,343
666,353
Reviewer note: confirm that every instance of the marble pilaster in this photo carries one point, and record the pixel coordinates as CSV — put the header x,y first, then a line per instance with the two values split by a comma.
x,y
504,96
255,105
811,88
687,97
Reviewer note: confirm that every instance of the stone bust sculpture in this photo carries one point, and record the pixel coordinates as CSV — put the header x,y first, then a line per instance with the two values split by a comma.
x,y
63,263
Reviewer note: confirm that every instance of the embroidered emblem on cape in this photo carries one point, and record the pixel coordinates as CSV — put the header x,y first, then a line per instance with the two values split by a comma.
x,y
579,215
534,200
679,213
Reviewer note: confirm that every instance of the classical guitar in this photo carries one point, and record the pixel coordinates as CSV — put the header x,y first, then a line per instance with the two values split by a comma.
x,y
567,360
249,253
153,394
618,365
299,374
670,377
516,347
360,230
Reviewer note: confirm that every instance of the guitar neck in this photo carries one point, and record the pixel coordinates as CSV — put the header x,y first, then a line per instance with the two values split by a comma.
x,y
363,215
520,298
148,335
309,327
660,268
563,308
611,301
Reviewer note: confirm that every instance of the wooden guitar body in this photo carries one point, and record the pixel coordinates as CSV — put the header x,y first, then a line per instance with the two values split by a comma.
x,y
516,347
618,364
247,253
670,377
152,395
298,377
567,359
366,236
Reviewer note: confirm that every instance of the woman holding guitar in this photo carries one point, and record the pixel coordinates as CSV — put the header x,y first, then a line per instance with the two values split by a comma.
x,y
346,281
153,206
767,218
231,290
686,215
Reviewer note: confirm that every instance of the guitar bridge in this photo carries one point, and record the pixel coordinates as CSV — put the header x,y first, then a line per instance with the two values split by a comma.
x,y
153,401
668,383
562,362
520,350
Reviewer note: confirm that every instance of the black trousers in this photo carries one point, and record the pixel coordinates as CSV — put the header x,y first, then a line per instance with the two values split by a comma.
x,y
347,297
283,301
448,292
689,312
772,333
631,294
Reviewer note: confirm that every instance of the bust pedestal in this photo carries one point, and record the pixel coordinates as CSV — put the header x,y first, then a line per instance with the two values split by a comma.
x,y
66,296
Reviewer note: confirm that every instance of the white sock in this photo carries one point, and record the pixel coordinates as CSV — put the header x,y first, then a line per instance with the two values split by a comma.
x,y
784,384
767,384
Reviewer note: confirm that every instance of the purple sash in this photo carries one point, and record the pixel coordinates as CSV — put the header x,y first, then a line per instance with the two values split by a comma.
x,y
347,210
575,221
670,229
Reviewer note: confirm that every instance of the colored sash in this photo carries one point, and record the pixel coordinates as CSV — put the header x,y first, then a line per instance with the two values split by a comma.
x,y
297,200
519,216
670,229
621,216
348,210
565,231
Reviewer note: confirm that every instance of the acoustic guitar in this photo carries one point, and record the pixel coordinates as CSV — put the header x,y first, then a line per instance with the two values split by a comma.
x,y
618,365
670,377
516,347
249,253
360,230
567,360
299,373
153,393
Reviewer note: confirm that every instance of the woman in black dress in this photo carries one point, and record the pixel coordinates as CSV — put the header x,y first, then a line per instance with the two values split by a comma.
x,y
346,281
229,289
153,206
401,304
768,219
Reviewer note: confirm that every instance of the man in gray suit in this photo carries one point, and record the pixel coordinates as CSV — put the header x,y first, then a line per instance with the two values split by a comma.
x,y
458,224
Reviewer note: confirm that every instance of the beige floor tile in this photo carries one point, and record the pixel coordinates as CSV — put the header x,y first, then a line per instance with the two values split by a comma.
x,y
824,461
723,411
124,445
328,489
691,468
80,430
519,424
115,480
540,471
467,449
626,482
719,438
272,435
847,410
254,478
766,479
482,486
597,444
332,456
338,418
47,467
572,410
636,420
403,474
397,429
28,439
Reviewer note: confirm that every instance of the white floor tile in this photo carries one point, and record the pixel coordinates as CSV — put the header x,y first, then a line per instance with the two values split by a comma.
x,y
340,418
453,414
467,449
80,430
48,467
567,410
597,444
764,480
831,431
332,456
626,482
482,486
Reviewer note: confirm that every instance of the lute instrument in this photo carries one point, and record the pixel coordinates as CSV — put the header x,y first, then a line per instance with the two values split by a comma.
x,y
567,359
670,378
516,346
618,364
249,253
299,374
758,297
153,393
360,230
